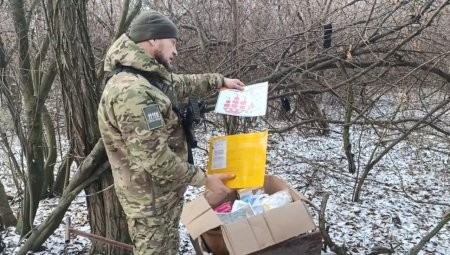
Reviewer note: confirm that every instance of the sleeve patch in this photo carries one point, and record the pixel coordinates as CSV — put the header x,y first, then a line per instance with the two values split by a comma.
x,y
153,117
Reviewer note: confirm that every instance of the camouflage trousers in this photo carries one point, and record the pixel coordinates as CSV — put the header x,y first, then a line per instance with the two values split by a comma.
x,y
157,235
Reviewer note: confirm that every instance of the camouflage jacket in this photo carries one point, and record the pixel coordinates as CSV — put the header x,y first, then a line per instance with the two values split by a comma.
x,y
143,136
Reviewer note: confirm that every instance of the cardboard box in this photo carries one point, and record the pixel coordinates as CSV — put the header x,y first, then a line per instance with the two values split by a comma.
x,y
254,233
305,244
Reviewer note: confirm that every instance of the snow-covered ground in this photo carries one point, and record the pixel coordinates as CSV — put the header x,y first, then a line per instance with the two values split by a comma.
x,y
403,198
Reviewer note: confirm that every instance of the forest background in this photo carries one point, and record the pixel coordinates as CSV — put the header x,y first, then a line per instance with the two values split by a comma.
x,y
337,70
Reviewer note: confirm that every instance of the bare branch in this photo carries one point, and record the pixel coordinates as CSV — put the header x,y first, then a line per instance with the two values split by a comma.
x,y
445,219
340,250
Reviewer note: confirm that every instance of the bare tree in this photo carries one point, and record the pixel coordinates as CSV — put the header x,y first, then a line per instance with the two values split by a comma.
x,y
7,218
348,54
34,84
81,92
68,23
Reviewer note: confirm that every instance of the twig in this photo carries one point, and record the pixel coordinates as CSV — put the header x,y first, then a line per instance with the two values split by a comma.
x,y
327,239
432,233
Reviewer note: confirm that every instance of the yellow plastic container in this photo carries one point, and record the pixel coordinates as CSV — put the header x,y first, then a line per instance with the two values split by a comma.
x,y
243,155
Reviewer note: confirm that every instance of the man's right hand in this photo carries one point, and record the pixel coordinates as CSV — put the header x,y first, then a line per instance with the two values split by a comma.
x,y
233,84
216,190
215,182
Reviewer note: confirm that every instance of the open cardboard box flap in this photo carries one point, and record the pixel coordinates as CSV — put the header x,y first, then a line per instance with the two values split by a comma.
x,y
199,217
256,232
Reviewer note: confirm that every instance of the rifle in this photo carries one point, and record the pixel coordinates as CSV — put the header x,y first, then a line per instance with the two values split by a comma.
x,y
191,113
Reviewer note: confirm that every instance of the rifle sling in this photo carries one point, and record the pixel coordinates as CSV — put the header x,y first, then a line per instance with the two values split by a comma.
x,y
159,84
153,79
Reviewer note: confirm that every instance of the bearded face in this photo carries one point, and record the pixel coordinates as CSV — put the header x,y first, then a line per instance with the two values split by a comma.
x,y
159,56
165,52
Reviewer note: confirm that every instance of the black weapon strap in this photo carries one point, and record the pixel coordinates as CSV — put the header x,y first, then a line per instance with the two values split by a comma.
x,y
156,81
153,79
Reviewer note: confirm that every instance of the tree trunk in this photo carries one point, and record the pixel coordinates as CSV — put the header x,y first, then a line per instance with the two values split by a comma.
x,y
231,123
50,161
35,166
16,172
106,215
62,177
34,93
81,90
348,119
6,214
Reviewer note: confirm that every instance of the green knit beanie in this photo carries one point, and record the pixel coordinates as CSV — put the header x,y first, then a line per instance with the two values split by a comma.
x,y
152,25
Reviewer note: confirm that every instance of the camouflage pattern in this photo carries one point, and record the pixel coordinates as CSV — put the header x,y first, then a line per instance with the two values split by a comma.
x,y
149,166
156,235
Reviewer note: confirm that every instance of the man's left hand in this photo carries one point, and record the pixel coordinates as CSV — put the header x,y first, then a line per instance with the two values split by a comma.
x,y
233,84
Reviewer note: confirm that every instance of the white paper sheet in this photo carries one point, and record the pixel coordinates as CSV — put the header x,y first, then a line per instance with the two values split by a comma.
x,y
250,102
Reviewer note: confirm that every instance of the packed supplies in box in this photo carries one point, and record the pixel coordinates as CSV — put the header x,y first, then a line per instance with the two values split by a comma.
x,y
249,234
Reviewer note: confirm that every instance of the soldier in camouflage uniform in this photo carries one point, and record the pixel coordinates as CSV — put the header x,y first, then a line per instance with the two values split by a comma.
x,y
143,136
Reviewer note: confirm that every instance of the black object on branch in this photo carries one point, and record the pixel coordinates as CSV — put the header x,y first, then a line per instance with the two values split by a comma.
x,y
285,103
327,31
